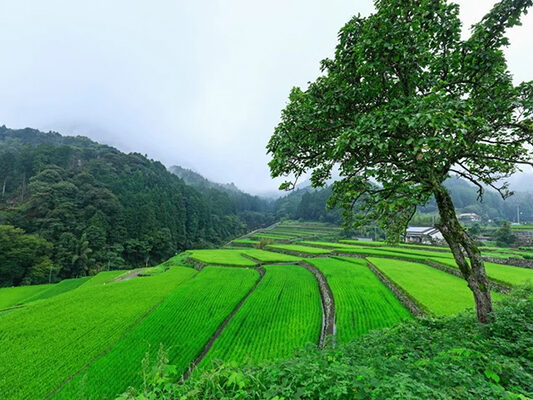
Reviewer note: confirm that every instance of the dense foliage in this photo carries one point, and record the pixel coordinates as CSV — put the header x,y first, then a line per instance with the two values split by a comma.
x,y
253,210
443,358
23,258
88,207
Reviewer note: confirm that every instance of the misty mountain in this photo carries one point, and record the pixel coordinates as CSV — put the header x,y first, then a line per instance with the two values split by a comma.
x,y
193,178
522,182
255,211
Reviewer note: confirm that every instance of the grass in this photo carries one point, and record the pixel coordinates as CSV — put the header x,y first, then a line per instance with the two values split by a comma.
x,y
377,251
362,302
270,256
183,323
501,254
221,257
281,315
46,342
293,232
15,295
362,242
333,245
299,248
437,291
61,287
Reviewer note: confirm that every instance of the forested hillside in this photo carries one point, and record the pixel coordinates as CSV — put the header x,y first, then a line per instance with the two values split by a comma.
x,y
70,206
253,210
310,204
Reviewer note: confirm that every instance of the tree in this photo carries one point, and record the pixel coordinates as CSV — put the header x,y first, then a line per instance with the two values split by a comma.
x,y
404,104
504,235
23,257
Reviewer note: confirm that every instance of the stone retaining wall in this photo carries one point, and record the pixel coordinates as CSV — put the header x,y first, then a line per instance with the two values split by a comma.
x,y
515,262
328,303
404,298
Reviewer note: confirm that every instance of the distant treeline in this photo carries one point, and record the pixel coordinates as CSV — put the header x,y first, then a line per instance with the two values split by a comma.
x,y
310,204
70,206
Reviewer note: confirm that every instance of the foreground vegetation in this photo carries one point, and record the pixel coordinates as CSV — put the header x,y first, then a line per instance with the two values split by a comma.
x,y
433,358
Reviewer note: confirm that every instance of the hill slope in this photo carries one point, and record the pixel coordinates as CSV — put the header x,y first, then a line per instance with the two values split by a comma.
x,y
98,207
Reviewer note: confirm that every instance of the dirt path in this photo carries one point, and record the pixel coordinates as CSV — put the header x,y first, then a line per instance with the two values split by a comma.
x,y
218,332
131,275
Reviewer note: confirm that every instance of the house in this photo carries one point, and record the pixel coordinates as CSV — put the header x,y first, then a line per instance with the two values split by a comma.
x,y
468,217
423,234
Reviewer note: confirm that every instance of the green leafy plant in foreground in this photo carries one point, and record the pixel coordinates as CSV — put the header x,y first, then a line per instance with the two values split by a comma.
x,y
434,358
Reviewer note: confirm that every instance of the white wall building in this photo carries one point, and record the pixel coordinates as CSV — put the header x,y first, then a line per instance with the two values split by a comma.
x,y
423,234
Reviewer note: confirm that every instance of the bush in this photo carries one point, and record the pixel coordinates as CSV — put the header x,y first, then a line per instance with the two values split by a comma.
x,y
432,358
263,243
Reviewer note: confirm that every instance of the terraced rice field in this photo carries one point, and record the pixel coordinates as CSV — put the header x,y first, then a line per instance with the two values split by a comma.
x,y
64,333
61,287
436,291
183,323
87,337
245,241
273,236
282,315
104,277
270,256
221,257
362,302
297,248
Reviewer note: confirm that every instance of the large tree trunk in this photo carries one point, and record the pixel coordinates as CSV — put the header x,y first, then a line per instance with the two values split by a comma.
x,y
460,243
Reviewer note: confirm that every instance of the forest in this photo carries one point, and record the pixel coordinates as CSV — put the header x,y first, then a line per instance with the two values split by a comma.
x,y
71,207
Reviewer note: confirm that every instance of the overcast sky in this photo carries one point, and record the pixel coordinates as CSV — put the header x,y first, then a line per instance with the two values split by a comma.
x,y
196,83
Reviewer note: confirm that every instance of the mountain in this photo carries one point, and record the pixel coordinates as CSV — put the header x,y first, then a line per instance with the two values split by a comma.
x,y
255,211
84,207
193,178
521,181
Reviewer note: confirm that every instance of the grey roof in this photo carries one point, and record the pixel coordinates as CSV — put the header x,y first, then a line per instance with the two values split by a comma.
x,y
419,229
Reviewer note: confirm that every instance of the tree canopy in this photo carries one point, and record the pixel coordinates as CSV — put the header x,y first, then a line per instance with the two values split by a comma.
x,y
404,104
98,208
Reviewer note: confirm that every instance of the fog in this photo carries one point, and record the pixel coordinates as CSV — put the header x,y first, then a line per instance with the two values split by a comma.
x,y
195,83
